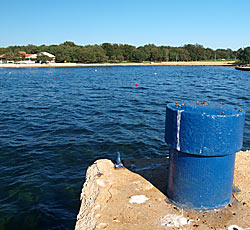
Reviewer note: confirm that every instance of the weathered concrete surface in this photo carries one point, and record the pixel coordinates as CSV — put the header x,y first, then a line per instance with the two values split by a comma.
x,y
133,199
242,177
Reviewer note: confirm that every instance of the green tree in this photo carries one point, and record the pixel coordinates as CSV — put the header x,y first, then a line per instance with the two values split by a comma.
x,y
2,50
173,54
162,54
70,52
182,54
127,52
138,55
86,56
244,55
196,52
13,56
100,55
222,54
191,52
209,54
62,54
31,49
69,44
43,58
151,52
109,50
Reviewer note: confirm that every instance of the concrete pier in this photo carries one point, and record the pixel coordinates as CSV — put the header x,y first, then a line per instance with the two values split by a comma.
x,y
134,199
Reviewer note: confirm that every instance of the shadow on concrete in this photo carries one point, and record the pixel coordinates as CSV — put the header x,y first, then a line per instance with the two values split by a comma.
x,y
153,170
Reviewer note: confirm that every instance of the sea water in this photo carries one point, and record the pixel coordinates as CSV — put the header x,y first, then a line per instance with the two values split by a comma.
x,y
55,122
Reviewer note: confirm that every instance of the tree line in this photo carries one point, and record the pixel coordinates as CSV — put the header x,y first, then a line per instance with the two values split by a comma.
x,y
107,52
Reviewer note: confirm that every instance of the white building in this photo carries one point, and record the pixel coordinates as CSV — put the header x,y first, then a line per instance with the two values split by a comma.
x,y
2,58
53,57
28,58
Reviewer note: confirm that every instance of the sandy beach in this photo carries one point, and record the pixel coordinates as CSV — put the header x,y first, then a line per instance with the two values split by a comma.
x,y
193,63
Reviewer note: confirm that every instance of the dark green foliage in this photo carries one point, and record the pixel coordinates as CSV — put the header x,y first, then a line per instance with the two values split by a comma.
x,y
107,52
43,58
244,55
31,49
138,55
13,56
127,51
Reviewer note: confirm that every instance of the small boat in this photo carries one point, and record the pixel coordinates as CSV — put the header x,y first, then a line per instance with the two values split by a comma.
x,y
244,68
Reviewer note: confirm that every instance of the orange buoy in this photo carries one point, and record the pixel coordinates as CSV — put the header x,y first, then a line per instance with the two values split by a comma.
x,y
137,84
179,75
54,77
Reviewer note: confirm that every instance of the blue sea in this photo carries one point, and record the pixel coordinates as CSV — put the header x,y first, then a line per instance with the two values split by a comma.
x,y
55,122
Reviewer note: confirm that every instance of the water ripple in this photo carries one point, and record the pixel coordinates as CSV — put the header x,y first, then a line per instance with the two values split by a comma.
x,y
52,129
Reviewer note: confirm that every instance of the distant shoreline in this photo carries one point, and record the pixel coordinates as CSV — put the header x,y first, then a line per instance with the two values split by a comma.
x,y
193,63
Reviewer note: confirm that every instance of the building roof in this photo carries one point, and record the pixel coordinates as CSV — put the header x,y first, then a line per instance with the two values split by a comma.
x,y
27,55
30,55
22,52
48,54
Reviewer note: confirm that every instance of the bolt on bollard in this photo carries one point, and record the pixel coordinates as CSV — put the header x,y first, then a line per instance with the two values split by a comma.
x,y
118,162
203,139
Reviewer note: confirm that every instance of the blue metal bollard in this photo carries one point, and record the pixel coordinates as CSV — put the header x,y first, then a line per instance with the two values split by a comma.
x,y
203,139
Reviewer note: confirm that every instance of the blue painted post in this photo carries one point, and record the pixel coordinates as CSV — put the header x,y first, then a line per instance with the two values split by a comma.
x,y
203,139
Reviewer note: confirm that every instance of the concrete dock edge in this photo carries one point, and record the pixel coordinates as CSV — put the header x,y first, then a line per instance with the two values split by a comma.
x,y
134,198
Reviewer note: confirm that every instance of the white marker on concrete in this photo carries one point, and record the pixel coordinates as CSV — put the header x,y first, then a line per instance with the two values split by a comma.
x,y
138,199
100,183
233,227
172,220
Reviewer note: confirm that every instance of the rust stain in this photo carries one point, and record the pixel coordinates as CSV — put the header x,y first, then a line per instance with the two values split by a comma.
x,y
99,174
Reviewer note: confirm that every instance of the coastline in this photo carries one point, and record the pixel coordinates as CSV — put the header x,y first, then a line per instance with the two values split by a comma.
x,y
193,63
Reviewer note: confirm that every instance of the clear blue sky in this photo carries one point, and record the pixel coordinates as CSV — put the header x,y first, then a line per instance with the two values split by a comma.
x,y
211,23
